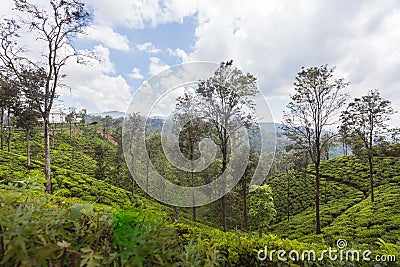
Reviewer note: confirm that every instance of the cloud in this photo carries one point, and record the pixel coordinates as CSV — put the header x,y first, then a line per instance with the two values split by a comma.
x,y
136,74
96,85
274,39
107,36
140,13
270,39
148,48
156,66
179,53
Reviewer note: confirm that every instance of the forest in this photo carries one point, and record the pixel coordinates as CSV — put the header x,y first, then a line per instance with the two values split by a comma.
x,y
86,190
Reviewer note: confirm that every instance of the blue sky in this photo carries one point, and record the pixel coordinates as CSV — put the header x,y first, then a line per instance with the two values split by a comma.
x,y
270,39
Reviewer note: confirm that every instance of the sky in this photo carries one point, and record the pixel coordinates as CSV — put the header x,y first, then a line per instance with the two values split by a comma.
x,y
273,39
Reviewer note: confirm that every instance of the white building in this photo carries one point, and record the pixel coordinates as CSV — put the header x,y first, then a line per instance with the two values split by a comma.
x,y
58,115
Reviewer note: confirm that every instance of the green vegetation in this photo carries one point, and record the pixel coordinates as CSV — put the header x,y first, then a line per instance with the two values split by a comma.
x,y
93,223
68,197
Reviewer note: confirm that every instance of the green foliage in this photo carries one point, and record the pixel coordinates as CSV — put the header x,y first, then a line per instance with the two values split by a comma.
x,y
93,223
301,226
38,230
143,238
369,221
261,205
352,169
301,195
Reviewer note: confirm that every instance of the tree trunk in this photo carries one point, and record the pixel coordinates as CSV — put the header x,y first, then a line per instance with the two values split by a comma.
x,y
317,194
288,197
70,133
47,154
1,130
224,163
244,203
133,175
28,148
9,130
371,177
147,177
192,174
193,197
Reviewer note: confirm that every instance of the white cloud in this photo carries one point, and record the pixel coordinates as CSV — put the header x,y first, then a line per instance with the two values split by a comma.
x,y
138,13
148,48
156,66
179,53
107,36
96,85
271,39
136,74
274,39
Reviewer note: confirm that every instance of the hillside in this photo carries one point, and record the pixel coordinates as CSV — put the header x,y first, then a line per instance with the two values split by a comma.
x,y
346,210
90,222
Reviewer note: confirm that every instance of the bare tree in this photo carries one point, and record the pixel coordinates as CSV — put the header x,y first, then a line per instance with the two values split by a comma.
x,y
54,27
313,108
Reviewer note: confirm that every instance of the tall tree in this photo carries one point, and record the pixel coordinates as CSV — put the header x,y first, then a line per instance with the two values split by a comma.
x,y
54,27
188,119
365,120
9,94
70,119
313,108
101,155
132,126
250,169
107,123
2,107
120,172
26,110
224,96
290,162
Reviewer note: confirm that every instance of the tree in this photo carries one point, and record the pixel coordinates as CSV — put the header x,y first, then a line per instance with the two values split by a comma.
x,y
82,114
328,144
223,97
313,108
261,206
250,169
55,30
120,172
9,94
2,107
101,156
107,122
291,162
27,117
132,125
71,118
365,121
193,128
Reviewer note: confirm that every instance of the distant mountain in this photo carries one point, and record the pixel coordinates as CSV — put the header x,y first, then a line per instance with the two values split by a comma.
x,y
271,127
114,114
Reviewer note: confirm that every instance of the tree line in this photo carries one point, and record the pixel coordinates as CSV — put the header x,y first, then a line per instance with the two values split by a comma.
x,y
318,112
